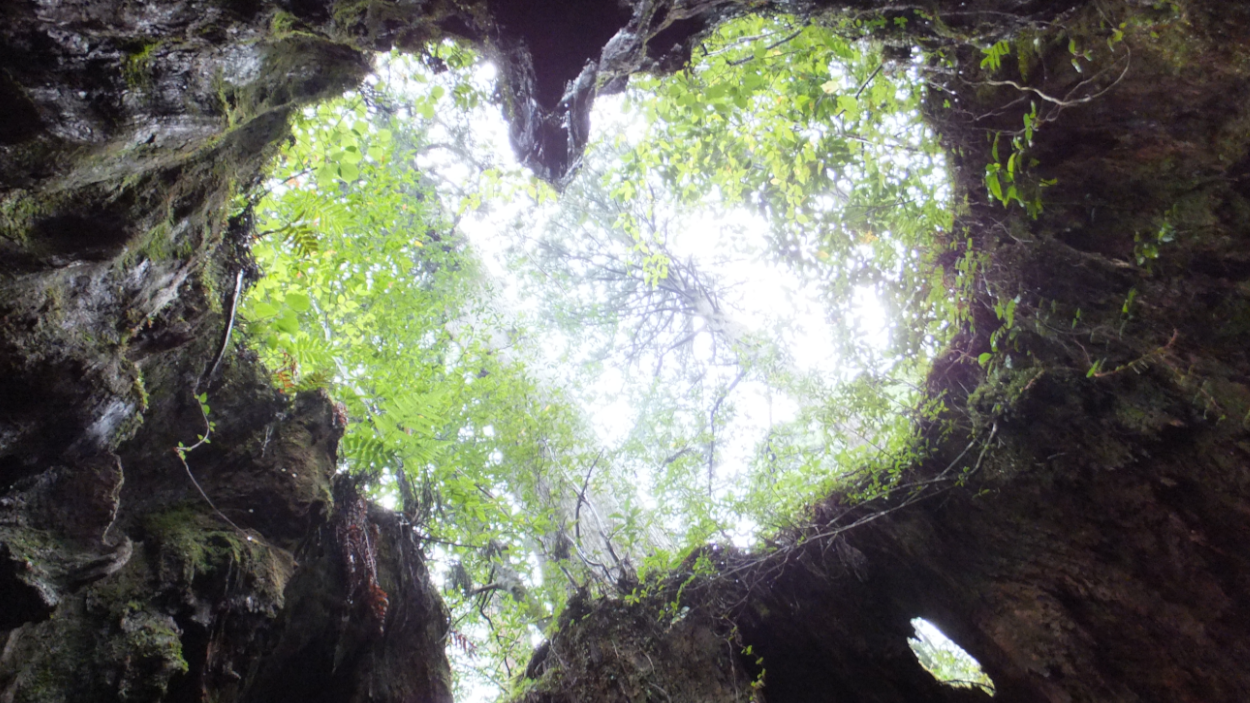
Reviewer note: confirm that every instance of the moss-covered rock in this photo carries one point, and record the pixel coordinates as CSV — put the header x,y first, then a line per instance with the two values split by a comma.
x,y
1079,523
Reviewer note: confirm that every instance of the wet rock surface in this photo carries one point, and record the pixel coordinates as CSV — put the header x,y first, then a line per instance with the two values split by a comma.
x,y
127,129
1095,549
1081,526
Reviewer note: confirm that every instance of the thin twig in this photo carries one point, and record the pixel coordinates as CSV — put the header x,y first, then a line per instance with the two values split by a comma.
x,y
863,86
1141,359
770,47
581,498
225,336
182,452
711,452
1066,101
869,80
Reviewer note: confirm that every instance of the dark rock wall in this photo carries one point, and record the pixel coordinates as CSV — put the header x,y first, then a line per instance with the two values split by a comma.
x,y
181,603
1081,523
130,136
1078,524
125,133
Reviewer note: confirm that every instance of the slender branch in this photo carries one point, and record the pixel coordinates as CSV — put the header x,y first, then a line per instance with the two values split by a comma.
x,y
182,451
739,42
711,451
770,47
677,455
869,80
1067,100
225,336
581,498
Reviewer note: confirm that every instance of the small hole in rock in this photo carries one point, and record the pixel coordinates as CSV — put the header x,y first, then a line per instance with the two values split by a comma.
x,y
947,661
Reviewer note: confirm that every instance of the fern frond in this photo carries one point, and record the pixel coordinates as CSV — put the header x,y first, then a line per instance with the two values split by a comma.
x,y
303,239
311,352
333,218
366,454
312,381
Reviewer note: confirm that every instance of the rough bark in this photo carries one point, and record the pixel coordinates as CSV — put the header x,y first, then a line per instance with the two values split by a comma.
x,y
1082,534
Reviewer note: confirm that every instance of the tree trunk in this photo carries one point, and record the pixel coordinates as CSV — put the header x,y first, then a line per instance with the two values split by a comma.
x,y
1077,521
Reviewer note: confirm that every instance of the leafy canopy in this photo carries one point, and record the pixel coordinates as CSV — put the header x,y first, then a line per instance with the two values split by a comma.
x,y
823,137
368,291
468,391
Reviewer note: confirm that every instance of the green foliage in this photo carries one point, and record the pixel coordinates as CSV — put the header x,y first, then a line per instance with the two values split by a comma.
x,y
1146,245
370,292
1006,182
136,68
994,55
947,661
823,138
457,411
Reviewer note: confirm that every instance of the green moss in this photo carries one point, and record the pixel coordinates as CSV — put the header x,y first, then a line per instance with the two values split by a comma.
x,y
193,544
347,14
998,396
135,644
208,279
137,66
47,682
1144,407
110,642
36,550
118,639
285,84
284,25
149,648
19,211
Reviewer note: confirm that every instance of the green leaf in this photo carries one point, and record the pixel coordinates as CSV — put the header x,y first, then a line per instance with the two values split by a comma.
x,y
288,323
849,104
326,175
261,310
991,182
298,302
349,171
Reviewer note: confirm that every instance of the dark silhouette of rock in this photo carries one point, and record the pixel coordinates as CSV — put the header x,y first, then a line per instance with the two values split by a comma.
x,y
1080,511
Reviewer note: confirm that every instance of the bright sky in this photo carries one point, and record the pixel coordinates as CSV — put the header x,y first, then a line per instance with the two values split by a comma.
x,y
730,245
